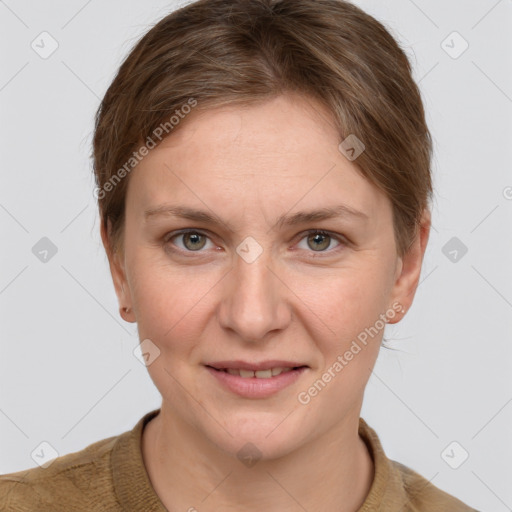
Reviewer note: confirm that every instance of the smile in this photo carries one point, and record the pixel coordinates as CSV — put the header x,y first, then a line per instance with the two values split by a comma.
x,y
259,374
260,383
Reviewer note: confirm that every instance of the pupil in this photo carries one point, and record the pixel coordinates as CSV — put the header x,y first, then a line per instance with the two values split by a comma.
x,y
316,237
195,237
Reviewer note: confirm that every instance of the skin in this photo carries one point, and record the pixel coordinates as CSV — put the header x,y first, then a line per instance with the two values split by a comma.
x,y
300,300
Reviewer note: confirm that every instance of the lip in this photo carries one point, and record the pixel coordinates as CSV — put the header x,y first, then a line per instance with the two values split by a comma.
x,y
263,365
254,387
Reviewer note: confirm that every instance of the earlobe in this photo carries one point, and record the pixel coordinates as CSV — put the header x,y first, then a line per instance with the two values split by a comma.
x,y
395,313
127,314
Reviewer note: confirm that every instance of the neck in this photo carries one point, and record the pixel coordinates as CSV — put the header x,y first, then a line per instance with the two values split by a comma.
x,y
331,473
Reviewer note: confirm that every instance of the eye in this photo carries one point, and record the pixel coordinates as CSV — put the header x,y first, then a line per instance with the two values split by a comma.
x,y
193,241
319,241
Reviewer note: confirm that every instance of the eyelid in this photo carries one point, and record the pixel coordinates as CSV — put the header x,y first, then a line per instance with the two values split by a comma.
x,y
184,231
336,236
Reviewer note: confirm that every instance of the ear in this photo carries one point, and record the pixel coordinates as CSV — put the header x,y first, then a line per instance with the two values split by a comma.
x,y
409,268
117,270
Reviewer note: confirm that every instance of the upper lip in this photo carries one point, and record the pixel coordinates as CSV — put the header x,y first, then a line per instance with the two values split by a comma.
x,y
263,365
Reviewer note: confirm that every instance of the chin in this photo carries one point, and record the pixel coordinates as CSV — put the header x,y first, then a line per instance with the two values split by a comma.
x,y
260,435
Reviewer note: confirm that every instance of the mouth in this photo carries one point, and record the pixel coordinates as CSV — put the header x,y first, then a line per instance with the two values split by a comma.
x,y
267,373
255,380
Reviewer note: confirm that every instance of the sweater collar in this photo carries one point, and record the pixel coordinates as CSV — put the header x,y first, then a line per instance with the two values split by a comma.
x,y
135,492
131,481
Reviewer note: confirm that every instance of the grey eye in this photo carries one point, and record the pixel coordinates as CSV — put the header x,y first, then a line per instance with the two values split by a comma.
x,y
319,241
193,241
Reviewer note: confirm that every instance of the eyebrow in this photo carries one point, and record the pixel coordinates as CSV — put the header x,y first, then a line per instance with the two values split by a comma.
x,y
303,217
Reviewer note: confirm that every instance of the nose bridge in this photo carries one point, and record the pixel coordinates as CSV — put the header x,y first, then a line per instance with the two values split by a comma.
x,y
254,304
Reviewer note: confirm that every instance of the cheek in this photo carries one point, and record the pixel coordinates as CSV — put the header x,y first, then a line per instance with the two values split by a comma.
x,y
169,301
352,300
350,307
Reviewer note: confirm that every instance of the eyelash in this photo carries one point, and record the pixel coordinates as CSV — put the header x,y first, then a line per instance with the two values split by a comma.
x,y
315,254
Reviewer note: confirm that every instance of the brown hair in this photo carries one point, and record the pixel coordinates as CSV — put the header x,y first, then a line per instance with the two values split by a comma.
x,y
218,52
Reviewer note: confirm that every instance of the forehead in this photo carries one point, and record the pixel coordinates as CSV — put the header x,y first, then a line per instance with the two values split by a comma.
x,y
273,154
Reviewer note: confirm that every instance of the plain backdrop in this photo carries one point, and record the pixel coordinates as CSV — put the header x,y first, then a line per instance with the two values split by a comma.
x,y
68,375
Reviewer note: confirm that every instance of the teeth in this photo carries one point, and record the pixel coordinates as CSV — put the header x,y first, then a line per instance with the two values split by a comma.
x,y
263,374
260,374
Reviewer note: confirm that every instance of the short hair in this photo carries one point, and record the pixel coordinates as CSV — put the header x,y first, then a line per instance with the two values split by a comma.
x,y
212,53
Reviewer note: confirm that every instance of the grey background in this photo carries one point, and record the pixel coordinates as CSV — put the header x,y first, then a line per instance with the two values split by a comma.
x,y
67,372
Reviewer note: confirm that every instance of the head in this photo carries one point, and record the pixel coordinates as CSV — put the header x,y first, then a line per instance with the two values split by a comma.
x,y
254,112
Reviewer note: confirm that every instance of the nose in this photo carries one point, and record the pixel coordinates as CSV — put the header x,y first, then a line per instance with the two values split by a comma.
x,y
254,301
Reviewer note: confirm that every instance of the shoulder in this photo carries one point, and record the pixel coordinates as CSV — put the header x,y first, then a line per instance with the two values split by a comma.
x,y
398,487
77,481
423,496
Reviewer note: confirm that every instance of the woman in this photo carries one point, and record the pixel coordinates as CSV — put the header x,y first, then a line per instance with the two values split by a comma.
x,y
286,141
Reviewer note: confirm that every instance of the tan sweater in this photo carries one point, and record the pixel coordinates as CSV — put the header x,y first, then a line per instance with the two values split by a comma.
x,y
110,475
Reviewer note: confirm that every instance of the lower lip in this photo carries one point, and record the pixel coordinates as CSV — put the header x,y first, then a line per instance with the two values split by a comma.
x,y
253,387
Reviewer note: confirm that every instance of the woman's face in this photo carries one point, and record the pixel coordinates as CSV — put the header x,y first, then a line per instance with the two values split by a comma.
x,y
252,287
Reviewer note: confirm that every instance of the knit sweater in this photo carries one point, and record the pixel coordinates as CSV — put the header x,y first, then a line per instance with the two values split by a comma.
x,y
110,476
